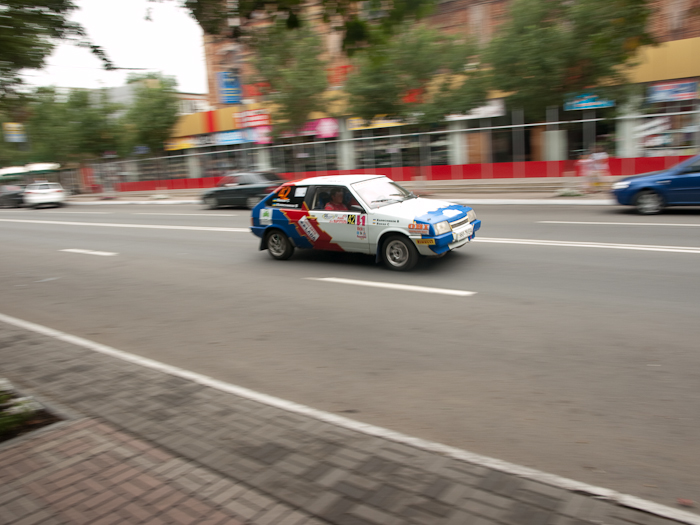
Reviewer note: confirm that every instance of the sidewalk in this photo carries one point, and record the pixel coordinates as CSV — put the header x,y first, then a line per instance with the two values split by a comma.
x,y
148,443
484,191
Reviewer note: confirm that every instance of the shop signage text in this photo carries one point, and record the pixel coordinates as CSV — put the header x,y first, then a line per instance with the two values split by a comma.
x,y
588,101
672,91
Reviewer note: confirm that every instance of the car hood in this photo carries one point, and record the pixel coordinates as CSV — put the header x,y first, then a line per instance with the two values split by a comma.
x,y
649,175
428,211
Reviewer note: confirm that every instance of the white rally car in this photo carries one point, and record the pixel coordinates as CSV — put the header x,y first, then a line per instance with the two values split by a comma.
x,y
360,213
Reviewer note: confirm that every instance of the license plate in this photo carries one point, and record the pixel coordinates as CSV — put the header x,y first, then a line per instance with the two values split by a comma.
x,y
458,236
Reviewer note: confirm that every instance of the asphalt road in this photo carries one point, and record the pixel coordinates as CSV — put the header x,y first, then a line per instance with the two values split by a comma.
x,y
577,359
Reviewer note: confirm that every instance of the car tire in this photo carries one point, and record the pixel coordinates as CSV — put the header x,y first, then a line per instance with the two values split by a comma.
x,y
399,253
279,245
211,202
252,201
648,202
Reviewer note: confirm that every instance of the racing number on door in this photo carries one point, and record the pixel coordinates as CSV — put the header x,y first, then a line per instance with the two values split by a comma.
x,y
284,192
359,220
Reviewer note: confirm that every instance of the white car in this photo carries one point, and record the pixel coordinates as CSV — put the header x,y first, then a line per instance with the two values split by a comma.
x,y
360,213
40,193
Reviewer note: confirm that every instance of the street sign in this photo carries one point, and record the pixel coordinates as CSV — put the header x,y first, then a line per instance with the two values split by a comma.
x,y
587,101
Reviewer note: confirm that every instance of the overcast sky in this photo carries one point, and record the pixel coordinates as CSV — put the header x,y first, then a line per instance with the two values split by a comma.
x,y
171,43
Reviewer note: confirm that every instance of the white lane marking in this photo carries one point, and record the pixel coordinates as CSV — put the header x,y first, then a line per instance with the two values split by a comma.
x,y
190,214
82,212
392,286
56,278
623,223
640,247
146,226
89,252
371,430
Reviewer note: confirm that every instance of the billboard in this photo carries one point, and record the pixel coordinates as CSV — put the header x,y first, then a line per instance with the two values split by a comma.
x,y
229,88
587,101
672,91
14,132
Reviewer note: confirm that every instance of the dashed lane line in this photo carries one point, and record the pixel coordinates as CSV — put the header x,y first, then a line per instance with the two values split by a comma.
x,y
394,286
89,252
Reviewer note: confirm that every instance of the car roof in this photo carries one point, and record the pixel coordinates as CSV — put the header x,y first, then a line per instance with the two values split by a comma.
x,y
336,179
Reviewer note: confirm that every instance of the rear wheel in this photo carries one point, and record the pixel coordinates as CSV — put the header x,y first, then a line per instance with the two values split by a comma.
x,y
252,201
211,202
648,202
279,245
399,253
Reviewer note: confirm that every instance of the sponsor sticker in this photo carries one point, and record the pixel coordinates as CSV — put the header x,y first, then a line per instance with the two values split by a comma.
x,y
352,219
309,230
425,241
418,229
384,222
361,232
265,216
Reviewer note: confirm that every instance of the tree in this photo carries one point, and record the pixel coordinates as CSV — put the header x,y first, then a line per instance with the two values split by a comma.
x,y
550,50
214,16
418,74
150,119
71,127
289,63
30,30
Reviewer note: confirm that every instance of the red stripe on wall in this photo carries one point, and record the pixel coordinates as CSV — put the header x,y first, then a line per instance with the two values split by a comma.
x,y
210,122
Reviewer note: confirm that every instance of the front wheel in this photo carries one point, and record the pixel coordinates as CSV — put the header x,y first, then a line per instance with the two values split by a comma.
x,y
279,245
399,253
648,202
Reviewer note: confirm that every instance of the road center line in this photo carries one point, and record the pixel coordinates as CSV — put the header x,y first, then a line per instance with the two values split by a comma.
x,y
192,214
89,252
118,225
610,246
623,223
393,286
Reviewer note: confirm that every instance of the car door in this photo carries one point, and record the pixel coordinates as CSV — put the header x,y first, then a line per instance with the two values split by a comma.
x,y
683,187
346,228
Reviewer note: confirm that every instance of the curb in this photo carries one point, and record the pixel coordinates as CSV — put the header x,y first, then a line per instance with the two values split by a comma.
x,y
602,493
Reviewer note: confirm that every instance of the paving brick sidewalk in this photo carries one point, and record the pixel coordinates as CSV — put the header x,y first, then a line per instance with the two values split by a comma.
x,y
144,446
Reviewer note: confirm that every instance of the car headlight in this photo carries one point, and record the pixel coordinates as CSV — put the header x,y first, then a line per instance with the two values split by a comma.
x,y
471,215
620,185
442,227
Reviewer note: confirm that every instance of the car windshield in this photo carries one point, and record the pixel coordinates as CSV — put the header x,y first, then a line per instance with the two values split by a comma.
x,y
380,192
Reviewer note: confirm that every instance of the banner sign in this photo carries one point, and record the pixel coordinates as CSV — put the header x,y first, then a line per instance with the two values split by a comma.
x,y
14,132
494,108
236,136
672,91
229,88
587,101
355,124
251,118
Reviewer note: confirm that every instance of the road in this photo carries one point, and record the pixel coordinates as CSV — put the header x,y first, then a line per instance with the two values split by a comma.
x,y
578,359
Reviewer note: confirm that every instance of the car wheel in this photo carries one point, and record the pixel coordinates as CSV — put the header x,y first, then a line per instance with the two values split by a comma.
x,y
252,201
648,202
399,253
211,202
279,245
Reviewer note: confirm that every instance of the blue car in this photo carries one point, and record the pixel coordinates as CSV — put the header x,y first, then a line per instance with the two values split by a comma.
x,y
652,192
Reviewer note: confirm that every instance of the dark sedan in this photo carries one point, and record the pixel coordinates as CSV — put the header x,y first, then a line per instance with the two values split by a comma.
x,y
244,189
11,196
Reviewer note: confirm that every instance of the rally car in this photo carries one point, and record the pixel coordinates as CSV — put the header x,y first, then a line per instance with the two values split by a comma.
x,y
360,213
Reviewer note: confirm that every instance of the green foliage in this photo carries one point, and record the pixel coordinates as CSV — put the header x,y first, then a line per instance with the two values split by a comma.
x,y
30,30
10,420
550,49
289,63
417,58
152,116
213,16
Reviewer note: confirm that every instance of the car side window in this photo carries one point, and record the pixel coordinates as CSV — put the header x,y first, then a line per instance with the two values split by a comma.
x,y
692,168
